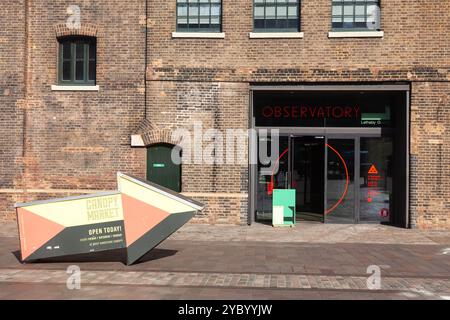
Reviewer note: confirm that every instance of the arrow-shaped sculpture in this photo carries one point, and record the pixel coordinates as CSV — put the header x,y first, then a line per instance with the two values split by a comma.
x,y
138,217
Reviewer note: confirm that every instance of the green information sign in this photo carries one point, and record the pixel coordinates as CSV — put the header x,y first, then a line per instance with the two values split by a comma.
x,y
283,207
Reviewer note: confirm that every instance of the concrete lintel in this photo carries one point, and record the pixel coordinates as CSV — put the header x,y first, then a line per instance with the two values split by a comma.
x,y
137,141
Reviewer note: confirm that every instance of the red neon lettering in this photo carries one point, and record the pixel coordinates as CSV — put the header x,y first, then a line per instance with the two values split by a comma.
x,y
348,112
311,112
277,112
320,113
267,112
357,112
335,114
303,112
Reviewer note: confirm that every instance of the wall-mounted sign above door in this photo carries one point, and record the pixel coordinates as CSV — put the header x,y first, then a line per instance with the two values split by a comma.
x,y
324,108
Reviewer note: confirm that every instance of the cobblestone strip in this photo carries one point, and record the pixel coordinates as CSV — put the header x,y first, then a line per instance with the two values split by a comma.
x,y
179,279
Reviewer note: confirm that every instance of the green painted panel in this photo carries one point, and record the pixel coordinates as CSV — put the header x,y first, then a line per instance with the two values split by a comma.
x,y
285,198
161,169
156,235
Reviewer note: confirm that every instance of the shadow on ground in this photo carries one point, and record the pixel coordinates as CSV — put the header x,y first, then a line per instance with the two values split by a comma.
x,y
103,256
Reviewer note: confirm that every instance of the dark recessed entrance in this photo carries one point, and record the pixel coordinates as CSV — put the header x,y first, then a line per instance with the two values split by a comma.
x,y
160,167
342,172
307,176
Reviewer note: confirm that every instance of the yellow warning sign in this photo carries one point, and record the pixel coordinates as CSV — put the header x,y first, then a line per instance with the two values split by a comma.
x,y
373,170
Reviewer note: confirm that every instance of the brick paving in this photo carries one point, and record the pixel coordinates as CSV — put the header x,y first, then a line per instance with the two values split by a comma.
x,y
244,280
201,262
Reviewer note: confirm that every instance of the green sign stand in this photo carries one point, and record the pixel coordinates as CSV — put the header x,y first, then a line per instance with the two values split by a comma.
x,y
283,208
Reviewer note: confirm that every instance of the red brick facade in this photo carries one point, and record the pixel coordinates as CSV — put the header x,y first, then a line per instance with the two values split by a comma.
x,y
74,142
68,142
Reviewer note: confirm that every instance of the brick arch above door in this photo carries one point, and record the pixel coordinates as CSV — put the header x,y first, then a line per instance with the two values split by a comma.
x,y
149,134
86,29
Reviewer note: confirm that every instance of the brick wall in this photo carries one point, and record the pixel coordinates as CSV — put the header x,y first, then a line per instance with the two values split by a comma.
x,y
186,75
216,105
430,155
75,142
12,87
415,47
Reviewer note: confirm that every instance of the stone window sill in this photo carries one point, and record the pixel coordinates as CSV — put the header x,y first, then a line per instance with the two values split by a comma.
x,y
276,35
355,34
202,35
75,88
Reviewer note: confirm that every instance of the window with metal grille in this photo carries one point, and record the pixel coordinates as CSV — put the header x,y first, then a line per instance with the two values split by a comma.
x,y
356,15
199,15
77,61
276,15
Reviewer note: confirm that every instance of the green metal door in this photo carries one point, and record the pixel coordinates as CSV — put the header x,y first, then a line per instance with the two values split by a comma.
x,y
161,169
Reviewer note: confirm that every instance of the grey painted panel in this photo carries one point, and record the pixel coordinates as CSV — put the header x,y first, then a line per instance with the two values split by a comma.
x,y
77,240
156,235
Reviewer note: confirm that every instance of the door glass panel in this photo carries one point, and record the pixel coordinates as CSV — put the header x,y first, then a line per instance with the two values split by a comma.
x,y
66,70
376,179
79,70
307,177
267,182
340,181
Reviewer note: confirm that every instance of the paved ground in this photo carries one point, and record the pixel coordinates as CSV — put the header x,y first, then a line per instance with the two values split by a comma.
x,y
311,261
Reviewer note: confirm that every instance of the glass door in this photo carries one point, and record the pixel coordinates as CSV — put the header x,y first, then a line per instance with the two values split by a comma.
x,y
376,179
340,192
270,179
307,177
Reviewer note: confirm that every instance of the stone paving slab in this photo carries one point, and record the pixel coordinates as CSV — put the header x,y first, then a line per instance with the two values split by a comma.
x,y
59,292
313,233
160,285
303,232
259,258
243,280
8,229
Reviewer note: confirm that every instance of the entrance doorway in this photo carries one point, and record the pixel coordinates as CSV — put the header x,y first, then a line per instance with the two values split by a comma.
x,y
307,177
160,167
336,150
